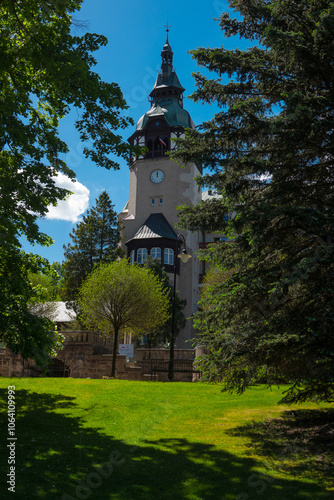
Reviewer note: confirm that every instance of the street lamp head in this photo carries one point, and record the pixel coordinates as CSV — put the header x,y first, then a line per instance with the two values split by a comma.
x,y
184,256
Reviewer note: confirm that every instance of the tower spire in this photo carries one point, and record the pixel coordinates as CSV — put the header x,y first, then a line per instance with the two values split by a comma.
x,y
167,28
167,55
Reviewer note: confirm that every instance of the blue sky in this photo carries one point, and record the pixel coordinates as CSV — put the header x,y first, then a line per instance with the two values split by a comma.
x,y
136,33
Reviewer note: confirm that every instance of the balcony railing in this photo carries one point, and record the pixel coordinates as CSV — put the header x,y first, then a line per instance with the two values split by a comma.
x,y
89,337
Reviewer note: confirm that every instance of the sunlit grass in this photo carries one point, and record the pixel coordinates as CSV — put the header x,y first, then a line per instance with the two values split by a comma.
x,y
110,439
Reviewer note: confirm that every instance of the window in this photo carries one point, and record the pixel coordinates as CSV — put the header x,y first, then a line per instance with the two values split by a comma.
x,y
141,255
152,201
157,145
132,257
160,201
156,253
157,138
169,256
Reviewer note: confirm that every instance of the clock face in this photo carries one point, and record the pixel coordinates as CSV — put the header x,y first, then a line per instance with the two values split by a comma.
x,y
157,176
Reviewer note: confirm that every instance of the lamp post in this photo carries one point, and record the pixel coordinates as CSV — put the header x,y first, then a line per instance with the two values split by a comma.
x,y
184,256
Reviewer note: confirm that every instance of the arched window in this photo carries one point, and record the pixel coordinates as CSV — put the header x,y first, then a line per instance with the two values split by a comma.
x,y
156,253
141,255
157,144
169,256
132,257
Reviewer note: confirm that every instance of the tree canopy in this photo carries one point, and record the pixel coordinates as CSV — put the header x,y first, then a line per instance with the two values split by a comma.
x,y
46,285
94,240
46,70
22,330
269,151
120,296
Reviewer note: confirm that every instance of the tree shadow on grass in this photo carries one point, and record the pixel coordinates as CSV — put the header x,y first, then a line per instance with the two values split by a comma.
x,y
59,457
300,442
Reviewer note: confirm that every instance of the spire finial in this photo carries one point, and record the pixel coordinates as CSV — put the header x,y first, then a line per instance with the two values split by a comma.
x,y
167,26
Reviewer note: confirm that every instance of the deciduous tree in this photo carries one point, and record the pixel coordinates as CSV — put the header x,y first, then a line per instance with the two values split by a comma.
x,y
23,331
46,70
46,285
121,296
269,150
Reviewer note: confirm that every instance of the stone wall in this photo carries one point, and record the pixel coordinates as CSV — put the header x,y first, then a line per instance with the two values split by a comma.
x,y
13,365
89,355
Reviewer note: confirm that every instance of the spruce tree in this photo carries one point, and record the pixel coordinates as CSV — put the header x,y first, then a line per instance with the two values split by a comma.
x,y
269,150
94,240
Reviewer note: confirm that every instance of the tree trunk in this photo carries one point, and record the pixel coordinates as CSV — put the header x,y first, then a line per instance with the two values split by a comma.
x,y
114,353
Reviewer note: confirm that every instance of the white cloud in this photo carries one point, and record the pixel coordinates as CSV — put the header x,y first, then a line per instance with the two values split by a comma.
x,y
75,205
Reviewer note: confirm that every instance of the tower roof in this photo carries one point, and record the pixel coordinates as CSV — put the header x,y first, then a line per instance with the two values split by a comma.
x,y
156,226
166,96
174,115
167,78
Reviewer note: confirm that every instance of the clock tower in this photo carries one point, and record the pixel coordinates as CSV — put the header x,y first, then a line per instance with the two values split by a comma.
x,y
158,186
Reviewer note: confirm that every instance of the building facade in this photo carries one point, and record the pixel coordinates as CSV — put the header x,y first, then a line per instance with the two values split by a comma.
x,y
158,186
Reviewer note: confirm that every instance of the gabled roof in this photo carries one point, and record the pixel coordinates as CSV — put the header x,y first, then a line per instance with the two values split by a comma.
x,y
64,313
55,311
156,226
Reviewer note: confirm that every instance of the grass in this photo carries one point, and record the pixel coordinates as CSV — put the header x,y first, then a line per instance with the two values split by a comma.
x,y
122,440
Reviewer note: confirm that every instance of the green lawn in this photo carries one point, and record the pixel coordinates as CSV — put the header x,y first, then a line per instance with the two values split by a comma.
x,y
110,439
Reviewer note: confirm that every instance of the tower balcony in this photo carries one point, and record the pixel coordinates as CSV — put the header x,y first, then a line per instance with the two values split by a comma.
x,y
156,154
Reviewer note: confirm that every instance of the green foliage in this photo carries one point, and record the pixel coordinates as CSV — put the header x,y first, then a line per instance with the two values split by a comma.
x,y
22,330
163,334
94,240
48,282
45,72
119,296
269,150
46,285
